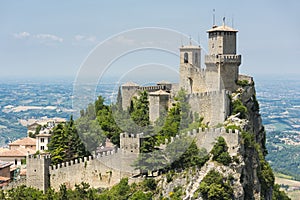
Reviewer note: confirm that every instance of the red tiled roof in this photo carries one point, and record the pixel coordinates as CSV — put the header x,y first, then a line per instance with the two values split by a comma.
x,y
24,142
2,178
4,164
19,152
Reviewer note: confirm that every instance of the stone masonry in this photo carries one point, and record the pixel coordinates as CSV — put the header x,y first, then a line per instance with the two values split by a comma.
x,y
207,88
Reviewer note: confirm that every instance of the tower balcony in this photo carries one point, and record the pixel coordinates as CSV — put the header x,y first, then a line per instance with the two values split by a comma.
x,y
235,59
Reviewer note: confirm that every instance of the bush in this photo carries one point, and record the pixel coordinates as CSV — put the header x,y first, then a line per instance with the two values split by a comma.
x,y
279,195
233,127
219,152
149,184
215,186
238,107
169,177
242,83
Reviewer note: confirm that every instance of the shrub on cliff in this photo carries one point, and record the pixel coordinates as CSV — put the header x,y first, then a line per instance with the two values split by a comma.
x,y
215,186
238,107
219,152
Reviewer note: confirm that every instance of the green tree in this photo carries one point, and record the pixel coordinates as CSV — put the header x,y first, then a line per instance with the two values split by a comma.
x,y
214,186
90,132
150,162
184,153
238,107
65,143
171,125
186,117
278,194
220,153
23,192
140,113
140,195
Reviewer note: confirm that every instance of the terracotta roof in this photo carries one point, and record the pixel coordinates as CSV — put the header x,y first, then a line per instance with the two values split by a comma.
x,y
130,84
24,141
3,149
4,164
222,28
159,92
43,135
19,152
2,178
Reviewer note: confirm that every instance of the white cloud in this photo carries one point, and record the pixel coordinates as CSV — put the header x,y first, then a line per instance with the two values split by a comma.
x,y
22,35
79,37
49,37
91,39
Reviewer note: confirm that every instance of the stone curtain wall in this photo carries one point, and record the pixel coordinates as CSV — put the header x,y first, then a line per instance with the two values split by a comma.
x,y
103,170
213,106
206,138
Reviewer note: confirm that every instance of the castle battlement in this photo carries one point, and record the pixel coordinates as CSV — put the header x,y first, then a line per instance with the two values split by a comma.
x,y
207,94
153,88
131,135
71,162
195,132
223,59
107,153
39,157
206,137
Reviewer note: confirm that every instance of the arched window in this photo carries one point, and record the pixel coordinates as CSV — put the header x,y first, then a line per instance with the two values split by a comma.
x,y
186,58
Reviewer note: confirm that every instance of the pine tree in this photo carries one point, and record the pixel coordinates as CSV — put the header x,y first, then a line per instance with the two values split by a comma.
x,y
65,143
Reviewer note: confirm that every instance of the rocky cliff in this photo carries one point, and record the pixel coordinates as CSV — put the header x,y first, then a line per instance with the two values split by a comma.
x,y
248,174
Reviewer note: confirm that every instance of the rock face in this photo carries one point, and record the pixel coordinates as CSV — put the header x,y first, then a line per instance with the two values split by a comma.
x,y
246,180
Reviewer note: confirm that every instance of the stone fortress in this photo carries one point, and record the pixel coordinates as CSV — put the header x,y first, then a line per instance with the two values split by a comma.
x,y
207,89
207,93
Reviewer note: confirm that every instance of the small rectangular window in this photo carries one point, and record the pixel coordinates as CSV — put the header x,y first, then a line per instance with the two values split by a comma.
x,y
42,140
42,148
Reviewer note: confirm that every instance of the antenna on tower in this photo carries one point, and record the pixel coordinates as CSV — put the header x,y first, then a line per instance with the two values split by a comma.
x,y
214,17
190,40
223,21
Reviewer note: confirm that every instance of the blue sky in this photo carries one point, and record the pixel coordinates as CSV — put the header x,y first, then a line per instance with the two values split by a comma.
x,y
53,38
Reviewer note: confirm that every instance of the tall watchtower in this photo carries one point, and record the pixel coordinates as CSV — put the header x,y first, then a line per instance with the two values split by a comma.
x,y
222,62
190,65
37,174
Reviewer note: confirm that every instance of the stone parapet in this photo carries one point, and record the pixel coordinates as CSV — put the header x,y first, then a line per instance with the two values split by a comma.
x,y
223,59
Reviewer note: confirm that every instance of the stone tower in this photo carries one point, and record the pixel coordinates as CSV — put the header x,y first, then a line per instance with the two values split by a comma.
x,y
131,143
158,103
222,62
190,66
128,91
37,174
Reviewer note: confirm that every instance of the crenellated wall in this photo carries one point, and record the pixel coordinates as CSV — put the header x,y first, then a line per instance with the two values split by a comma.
x,y
107,168
213,106
100,171
206,138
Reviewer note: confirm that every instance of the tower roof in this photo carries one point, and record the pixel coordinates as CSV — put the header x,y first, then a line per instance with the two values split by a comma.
x,y
222,28
159,92
190,47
